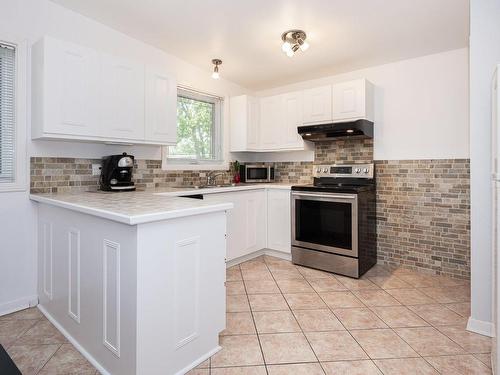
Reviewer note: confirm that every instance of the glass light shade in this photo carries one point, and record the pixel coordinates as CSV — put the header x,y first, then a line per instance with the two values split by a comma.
x,y
304,46
286,47
215,75
290,53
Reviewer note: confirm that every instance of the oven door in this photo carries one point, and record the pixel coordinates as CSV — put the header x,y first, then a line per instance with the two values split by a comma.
x,y
326,222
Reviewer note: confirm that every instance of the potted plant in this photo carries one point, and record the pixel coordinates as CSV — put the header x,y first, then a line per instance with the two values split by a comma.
x,y
235,167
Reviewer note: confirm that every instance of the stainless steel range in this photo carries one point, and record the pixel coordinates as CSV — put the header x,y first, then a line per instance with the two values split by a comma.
x,y
334,220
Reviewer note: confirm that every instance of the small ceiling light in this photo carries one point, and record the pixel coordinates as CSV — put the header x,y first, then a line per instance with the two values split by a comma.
x,y
215,74
350,131
293,40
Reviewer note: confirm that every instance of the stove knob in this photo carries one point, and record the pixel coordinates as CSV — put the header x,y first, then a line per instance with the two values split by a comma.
x,y
325,170
366,170
318,170
357,170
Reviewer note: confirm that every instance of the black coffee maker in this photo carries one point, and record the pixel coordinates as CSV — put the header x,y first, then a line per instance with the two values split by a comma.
x,y
116,173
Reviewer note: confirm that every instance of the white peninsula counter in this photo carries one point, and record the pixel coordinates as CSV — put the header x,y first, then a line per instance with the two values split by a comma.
x,y
134,280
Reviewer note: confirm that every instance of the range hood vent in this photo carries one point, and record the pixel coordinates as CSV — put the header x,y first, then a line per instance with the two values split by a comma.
x,y
352,129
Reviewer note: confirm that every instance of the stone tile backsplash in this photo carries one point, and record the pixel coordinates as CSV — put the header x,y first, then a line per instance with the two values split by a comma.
x,y
423,206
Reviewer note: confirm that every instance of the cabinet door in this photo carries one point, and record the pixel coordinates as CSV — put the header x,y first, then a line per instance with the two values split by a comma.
x,y
271,122
349,100
279,220
253,119
256,219
318,105
71,79
122,99
161,107
292,113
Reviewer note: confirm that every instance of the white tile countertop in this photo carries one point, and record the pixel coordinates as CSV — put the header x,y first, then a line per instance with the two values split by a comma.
x,y
139,207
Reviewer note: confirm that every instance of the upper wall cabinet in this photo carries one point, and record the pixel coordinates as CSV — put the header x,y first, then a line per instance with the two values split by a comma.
x,y
353,100
271,122
244,122
317,105
81,94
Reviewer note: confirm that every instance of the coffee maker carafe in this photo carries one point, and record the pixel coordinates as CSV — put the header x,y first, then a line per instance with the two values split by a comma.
x,y
116,173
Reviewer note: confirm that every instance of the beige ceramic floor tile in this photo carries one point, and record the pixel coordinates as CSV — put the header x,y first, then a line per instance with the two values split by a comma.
x,y
304,301
313,274
485,358
260,275
383,343
67,360
239,323
389,282
294,286
251,370
405,366
27,314
378,270
459,365
254,264
335,346
469,341
341,299
267,302
296,369
261,286
428,341
234,288
448,294
410,296
376,298
326,285
238,351
399,316
233,274
317,320
418,280
42,333
438,315
461,308
356,284
285,274
204,364
199,371
11,329
275,322
280,348
364,367
359,318
31,358
237,303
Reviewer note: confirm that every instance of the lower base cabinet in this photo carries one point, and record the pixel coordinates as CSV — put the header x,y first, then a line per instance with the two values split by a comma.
x,y
279,220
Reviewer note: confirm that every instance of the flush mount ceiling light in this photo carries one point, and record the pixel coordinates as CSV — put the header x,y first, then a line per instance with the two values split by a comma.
x,y
293,40
216,62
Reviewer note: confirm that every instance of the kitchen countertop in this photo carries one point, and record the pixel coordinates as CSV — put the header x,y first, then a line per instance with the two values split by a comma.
x,y
138,207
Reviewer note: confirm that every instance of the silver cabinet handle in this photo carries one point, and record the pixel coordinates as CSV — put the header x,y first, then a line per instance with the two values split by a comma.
x,y
350,196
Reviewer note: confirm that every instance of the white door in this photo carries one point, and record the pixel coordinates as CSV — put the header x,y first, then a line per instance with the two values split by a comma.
x,y
161,107
349,100
292,113
71,79
317,105
279,220
271,122
122,99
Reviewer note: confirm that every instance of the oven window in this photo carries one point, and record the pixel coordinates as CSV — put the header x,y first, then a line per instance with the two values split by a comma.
x,y
324,223
257,174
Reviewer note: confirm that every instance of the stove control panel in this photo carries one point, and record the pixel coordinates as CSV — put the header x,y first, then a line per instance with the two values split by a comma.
x,y
344,170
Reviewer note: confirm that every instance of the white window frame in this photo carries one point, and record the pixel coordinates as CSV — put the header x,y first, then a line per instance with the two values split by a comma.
x,y
20,127
196,164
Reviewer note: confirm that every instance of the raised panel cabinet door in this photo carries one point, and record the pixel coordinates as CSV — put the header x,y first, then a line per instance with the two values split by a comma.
x,y
292,105
349,100
255,221
317,105
160,107
253,124
122,99
271,122
279,220
70,79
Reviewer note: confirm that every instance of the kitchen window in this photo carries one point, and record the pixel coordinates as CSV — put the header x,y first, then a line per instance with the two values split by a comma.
x,y
12,117
199,135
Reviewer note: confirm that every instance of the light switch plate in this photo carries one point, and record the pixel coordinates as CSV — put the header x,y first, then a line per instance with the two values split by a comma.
x,y
96,169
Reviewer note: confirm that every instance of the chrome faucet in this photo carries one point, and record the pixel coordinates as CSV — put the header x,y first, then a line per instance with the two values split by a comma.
x,y
212,177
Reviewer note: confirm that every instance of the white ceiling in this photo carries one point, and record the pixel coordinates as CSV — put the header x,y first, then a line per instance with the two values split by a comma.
x,y
344,34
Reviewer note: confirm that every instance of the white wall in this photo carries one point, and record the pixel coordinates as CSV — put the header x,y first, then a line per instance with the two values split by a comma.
x,y
421,105
30,20
484,55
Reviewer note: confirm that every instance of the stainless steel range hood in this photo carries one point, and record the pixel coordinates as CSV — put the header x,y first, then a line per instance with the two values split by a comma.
x,y
339,130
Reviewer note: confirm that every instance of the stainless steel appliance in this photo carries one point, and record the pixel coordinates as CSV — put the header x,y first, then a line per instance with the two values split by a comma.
x,y
351,129
334,220
116,173
257,172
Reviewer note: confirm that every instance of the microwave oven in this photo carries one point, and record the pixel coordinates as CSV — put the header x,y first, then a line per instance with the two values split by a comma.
x,y
257,173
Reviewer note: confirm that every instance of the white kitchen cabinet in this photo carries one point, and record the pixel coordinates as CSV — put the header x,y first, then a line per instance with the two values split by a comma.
x,y
271,122
278,220
292,117
244,123
317,105
65,85
122,100
353,100
160,106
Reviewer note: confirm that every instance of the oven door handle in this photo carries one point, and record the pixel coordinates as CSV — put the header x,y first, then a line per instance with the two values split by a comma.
x,y
331,196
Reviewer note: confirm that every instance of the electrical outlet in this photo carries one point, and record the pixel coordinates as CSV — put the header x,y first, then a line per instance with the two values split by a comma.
x,y
96,169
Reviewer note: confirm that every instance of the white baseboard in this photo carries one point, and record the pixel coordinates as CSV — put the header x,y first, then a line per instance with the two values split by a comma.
x,y
480,326
75,343
258,253
18,304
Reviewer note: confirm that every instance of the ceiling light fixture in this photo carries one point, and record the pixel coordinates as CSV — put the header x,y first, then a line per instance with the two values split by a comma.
x,y
216,62
293,40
